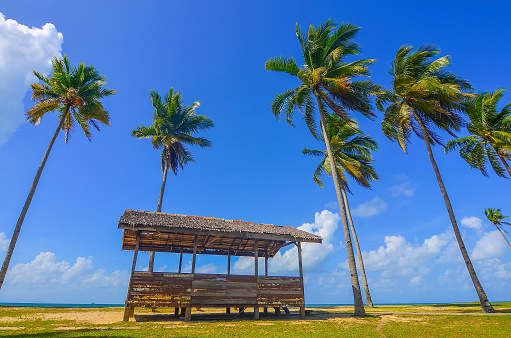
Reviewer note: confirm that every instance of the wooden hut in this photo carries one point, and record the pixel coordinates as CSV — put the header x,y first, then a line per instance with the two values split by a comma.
x,y
161,232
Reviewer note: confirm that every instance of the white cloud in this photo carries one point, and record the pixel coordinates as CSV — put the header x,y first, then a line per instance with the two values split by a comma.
x,y
417,280
491,245
22,50
45,270
472,223
4,242
404,189
208,268
398,254
371,208
313,254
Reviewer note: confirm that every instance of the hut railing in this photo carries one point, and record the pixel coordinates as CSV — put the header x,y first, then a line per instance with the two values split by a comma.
x,y
160,289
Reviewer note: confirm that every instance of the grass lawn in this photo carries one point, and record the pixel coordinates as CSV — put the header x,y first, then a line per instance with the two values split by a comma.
x,y
449,320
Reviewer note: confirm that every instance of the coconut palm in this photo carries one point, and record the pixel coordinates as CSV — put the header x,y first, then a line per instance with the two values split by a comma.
x,y
74,93
494,216
425,96
328,79
352,152
172,129
490,134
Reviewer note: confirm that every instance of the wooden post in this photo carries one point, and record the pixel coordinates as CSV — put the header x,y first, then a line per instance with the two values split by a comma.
x,y
194,254
188,310
229,262
256,255
266,273
300,259
188,314
128,311
266,265
302,307
228,309
176,310
180,260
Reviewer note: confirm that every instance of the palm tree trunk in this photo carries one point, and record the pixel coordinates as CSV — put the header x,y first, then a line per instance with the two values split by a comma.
x,y
504,162
369,301
158,209
509,245
17,229
355,285
485,304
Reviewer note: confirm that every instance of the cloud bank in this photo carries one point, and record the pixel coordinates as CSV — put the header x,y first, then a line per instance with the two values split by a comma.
x,y
59,281
22,50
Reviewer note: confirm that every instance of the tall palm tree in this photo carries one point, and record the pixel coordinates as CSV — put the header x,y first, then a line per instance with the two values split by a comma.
x,y
74,93
352,152
172,129
327,78
494,216
425,96
490,134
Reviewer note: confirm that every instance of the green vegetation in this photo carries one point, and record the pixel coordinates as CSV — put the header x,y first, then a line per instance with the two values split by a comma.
x,y
352,152
389,321
174,124
425,96
490,134
75,94
496,218
327,77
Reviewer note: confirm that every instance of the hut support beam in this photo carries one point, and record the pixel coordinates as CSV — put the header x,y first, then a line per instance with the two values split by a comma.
x,y
128,311
176,310
180,260
256,256
188,310
266,273
194,258
228,309
300,267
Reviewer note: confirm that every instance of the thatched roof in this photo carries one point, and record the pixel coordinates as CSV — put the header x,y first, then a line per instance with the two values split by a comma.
x,y
171,233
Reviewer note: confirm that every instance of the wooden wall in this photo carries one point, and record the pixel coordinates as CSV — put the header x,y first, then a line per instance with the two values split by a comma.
x,y
157,289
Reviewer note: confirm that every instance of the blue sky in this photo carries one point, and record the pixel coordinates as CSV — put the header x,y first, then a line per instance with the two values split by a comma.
x,y
214,52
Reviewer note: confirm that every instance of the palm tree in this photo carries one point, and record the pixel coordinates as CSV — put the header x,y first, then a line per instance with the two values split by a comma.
x,y
490,139
327,77
172,129
494,216
425,96
75,93
352,152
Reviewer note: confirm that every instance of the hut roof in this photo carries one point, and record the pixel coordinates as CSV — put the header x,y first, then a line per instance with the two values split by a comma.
x,y
170,233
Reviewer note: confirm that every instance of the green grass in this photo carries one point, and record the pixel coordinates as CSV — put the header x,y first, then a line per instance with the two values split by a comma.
x,y
383,321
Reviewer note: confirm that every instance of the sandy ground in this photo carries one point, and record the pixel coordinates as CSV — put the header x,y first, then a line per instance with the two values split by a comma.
x,y
112,316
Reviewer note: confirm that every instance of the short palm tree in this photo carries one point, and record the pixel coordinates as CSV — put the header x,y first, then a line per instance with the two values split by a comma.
x,y
496,218
172,129
490,134
327,80
423,97
352,152
75,94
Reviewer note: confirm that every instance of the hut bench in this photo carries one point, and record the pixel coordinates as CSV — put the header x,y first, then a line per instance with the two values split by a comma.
x,y
161,232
